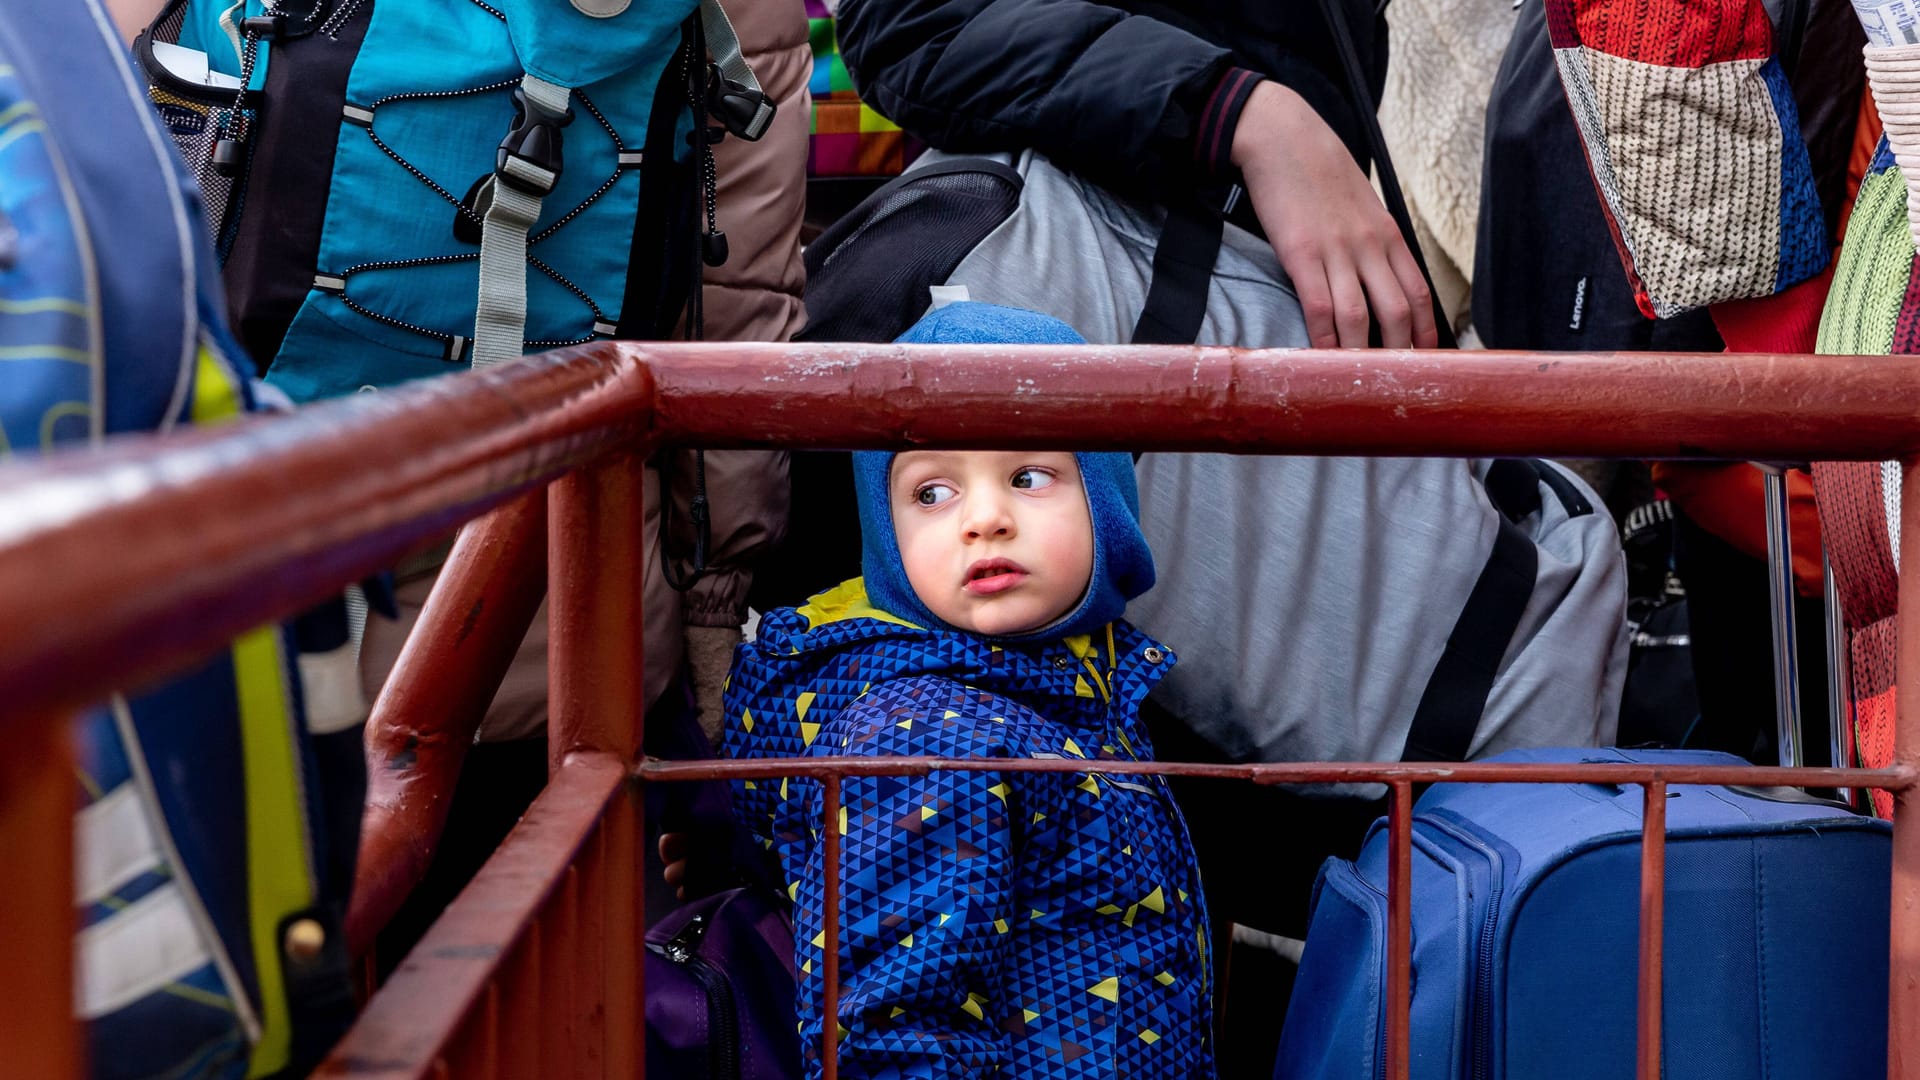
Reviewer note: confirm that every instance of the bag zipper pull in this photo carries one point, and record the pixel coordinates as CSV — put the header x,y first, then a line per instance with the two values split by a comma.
x,y
681,946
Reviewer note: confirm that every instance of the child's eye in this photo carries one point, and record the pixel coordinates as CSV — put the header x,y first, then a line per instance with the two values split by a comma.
x,y
1033,479
932,494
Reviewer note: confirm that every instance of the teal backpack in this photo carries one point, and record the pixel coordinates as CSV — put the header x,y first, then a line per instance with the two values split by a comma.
x,y
404,188
218,814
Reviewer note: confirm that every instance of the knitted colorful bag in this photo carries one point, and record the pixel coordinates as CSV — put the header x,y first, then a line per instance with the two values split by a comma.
x,y
849,138
1873,309
1693,139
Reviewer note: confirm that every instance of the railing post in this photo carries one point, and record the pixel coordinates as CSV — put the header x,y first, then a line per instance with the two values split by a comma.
x,y
1400,932
439,690
38,1036
830,924
1903,1004
1653,889
596,690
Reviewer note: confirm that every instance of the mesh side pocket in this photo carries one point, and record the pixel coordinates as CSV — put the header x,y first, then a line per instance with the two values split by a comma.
x,y
195,127
197,116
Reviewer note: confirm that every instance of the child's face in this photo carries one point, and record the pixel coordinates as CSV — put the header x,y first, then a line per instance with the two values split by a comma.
x,y
995,543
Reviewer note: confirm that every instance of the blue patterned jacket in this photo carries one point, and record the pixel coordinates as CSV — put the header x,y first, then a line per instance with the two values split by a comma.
x,y
1033,925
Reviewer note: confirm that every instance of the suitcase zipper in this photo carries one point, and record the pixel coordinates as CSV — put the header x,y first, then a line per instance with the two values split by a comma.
x,y
1483,962
723,1017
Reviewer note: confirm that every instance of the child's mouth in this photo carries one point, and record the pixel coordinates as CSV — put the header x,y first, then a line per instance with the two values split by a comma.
x,y
990,576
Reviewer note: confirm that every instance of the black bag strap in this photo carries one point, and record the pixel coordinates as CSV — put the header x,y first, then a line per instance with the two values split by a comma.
x,y
1382,161
1456,694
1182,274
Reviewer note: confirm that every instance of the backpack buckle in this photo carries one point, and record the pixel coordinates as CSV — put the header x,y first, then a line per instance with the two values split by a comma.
x,y
745,111
529,157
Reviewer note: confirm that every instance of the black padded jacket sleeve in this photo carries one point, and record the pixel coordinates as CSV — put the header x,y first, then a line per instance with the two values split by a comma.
x,y
1116,94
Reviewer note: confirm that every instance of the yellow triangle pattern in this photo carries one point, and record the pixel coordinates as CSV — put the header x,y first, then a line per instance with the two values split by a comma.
x,y
972,1008
999,926
1106,988
1089,785
907,942
905,725
1080,687
949,715
1149,1037
1156,901
927,812
843,821
1107,909
804,702
809,732
998,791
1165,978
1074,748
896,1013
1030,1015
746,719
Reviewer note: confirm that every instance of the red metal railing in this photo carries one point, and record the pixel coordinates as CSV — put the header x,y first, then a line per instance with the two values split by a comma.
x,y
534,969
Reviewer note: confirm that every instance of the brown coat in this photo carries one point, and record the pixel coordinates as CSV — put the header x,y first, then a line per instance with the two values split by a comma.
x,y
754,296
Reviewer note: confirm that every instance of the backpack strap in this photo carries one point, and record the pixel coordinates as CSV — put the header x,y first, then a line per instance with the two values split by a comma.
x,y
1456,695
1183,261
737,99
1390,191
525,172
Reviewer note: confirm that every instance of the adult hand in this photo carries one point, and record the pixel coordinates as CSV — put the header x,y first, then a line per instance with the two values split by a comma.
x,y
673,852
1333,235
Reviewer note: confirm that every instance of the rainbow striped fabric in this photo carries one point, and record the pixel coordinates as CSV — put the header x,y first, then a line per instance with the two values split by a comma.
x,y
1694,141
848,137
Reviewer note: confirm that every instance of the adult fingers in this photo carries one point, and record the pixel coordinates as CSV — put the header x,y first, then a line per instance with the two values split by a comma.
x,y
1349,303
673,847
1309,277
1390,305
1413,285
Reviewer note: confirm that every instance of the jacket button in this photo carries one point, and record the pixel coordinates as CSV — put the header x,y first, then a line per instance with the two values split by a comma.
x,y
1062,663
1152,655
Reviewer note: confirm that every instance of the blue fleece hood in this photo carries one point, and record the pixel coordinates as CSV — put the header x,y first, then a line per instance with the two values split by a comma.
x,y
1122,564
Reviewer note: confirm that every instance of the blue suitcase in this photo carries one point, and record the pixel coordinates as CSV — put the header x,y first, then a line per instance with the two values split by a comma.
x,y
1526,932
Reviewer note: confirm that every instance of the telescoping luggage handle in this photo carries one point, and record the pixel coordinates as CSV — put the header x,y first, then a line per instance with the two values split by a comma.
x,y
1789,724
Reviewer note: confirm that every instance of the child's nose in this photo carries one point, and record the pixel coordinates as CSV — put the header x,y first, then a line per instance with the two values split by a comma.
x,y
988,518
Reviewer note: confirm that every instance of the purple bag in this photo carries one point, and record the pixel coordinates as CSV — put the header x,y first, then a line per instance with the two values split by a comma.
x,y
720,985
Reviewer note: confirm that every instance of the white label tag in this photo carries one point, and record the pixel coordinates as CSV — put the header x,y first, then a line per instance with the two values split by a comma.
x,y
947,294
1889,22
191,65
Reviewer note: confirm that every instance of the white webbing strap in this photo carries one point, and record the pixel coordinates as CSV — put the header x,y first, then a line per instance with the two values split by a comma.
x,y
724,46
500,319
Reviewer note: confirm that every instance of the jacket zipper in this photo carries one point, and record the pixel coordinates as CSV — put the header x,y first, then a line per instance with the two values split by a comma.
x,y
723,1016
1483,969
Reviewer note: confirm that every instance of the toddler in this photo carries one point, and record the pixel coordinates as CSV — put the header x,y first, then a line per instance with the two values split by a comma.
x,y
1019,924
